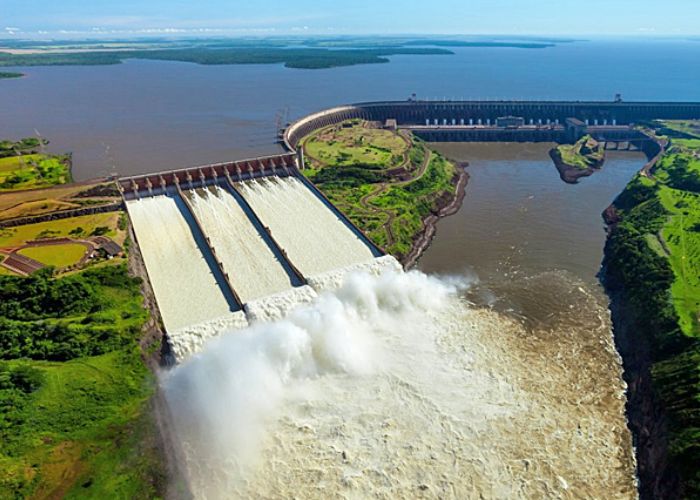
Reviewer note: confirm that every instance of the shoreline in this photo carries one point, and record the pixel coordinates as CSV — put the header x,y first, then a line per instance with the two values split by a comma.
x,y
641,348
446,207
646,419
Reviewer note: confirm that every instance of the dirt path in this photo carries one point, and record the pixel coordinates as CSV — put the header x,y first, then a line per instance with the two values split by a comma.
x,y
364,201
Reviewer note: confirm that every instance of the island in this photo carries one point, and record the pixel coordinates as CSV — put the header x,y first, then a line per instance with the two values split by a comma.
x,y
578,160
8,75
388,182
652,275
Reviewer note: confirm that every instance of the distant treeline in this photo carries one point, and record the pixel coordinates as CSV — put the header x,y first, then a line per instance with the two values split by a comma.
x,y
304,58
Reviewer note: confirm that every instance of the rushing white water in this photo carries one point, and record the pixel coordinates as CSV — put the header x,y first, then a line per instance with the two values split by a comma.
x,y
311,234
177,269
254,269
392,387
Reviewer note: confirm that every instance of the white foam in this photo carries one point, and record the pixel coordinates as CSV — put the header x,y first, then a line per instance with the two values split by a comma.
x,y
190,339
178,271
392,387
276,307
313,236
332,280
254,270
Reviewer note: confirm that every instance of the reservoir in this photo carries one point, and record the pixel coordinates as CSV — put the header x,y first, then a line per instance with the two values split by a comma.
x,y
148,116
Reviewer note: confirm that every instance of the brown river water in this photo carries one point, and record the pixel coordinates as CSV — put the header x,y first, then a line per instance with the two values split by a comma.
x,y
492,376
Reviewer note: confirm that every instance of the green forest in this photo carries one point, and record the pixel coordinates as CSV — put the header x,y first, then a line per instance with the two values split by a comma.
x,y
653,254
74,391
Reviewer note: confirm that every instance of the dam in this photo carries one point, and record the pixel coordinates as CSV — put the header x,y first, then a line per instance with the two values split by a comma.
x,y
492,407
255,237
225,245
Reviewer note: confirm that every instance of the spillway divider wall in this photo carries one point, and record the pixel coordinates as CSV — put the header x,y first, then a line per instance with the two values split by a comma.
x,y
210,247
376,249
266,232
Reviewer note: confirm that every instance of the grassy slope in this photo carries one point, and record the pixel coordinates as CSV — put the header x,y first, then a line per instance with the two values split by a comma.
x,y
655,254
351,170
33,171
357,145
86,431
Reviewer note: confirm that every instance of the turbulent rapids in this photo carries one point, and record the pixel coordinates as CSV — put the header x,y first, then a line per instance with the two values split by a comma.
x,y
393,386
311,366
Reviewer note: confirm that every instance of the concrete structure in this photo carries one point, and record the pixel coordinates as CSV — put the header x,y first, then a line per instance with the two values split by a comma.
x,y
194,177
447,114
536,121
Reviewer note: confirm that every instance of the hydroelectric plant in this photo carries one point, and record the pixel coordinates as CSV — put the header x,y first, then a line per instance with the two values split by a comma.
x,y
229,243
226,244
392,385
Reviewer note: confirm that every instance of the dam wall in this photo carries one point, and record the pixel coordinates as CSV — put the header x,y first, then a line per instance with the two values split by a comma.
x,y
224,249
134,187
476,113
238,241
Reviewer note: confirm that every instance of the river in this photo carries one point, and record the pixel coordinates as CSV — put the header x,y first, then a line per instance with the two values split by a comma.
x,y
145,116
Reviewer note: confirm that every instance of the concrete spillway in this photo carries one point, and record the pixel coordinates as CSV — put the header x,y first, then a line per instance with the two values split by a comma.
x,y
184,282
255,270
315,238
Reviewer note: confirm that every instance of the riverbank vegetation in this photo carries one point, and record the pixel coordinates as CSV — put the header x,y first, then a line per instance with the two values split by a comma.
x,y
584,154
33,171
653,255
24,166
74,392
386,182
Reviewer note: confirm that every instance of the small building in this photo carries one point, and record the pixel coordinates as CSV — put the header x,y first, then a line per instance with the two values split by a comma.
x,y
108,247
510,121
391,124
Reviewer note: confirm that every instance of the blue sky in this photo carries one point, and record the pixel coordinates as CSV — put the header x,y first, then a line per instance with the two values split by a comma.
x,y
541,17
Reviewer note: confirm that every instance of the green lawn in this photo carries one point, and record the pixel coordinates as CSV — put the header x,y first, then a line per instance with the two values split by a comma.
x,y
16,236
341,146
84,433
682,235
689,127
33,171
59,256
654,255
